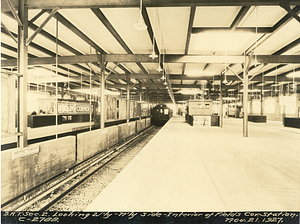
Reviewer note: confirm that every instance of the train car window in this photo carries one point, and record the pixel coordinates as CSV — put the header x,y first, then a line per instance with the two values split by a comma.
x,y
161,111
166,112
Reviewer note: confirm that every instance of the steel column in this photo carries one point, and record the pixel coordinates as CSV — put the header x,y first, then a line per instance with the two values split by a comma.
x,y
245,99
22,69
221,101
102,118
127,97
261,103
140,92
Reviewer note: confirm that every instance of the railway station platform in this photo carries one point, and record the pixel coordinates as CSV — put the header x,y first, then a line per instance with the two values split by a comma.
x,y
199,169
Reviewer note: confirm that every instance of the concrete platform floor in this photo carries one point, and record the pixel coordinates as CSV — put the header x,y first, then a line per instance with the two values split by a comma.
x,y
185,168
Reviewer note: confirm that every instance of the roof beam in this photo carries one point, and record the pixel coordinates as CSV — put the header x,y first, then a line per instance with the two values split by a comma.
x,y
281,23
7,56
150,30
151,35
36,16
78,32
287,47
280,78
53,39
189,34
8,32
44,50
239,17
170,58
48,4
115,34
42,25
190,28
12,7
287,7
245,29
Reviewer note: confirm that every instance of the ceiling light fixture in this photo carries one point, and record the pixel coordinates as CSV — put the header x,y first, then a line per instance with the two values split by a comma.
x,y
190,91
140,25
163,77
153,55
293,75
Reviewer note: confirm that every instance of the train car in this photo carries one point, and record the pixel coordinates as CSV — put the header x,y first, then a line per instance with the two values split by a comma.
x,y
235,112
160,114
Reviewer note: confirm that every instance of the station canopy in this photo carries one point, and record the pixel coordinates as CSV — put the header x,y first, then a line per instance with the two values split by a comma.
x,y
166,46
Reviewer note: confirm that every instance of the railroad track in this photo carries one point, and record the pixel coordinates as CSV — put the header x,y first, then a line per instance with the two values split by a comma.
x,y
54,190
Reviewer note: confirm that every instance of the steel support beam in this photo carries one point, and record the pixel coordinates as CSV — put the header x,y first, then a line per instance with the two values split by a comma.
x,y
221,101
280,24
287,7
245,96
46,51
12,8
42,25
8,32
49,4
127,97
103,101
222,29
22,69
190,28
53,39
243,11
128,58
36,16
115,34
189,35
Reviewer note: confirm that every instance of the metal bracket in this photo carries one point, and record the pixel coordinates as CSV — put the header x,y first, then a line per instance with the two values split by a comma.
x,y
234,72
54,10
19,134
287,7
112,70
13,10
263,65
7,30
11,73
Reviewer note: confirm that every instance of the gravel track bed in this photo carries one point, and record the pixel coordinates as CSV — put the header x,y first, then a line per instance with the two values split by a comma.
x,y
84,194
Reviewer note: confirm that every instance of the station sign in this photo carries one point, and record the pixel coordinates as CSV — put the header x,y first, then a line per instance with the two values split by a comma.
x,y
67,107
25,152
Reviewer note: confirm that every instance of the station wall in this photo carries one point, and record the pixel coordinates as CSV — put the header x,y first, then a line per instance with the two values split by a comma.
x,y
21,174
57,156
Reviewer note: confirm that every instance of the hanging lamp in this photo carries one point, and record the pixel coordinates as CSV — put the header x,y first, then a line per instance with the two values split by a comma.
x,y
153,55
140,25
163,76
159,68
255,56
